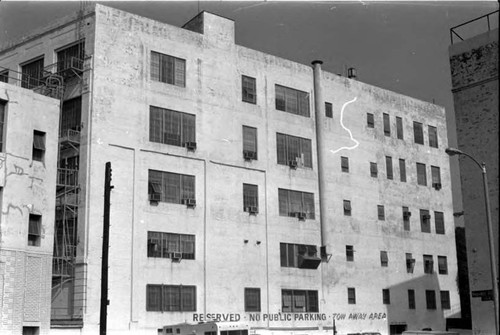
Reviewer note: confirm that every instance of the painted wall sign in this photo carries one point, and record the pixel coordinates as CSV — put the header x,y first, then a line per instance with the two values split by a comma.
x,y
287,317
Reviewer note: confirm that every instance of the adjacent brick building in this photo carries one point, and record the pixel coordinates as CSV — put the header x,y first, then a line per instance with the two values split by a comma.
x,y
246,187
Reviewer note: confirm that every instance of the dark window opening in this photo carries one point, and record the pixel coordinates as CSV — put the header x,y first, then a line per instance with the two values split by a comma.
x,y
349,253
381,212
296,204
249,89
373,170
299,301
168,69
384,259
425,221
439,221
388,164
328,110
421,174
252,299
38,146
170,245
347,208
170,298
386,296
399,128
171,187
433,138
250,198
172,127
34,230
293,151
344,164
428,264
418,132
351,295
387,125
32,74
292,101
430,298
370,120
249,143
402,170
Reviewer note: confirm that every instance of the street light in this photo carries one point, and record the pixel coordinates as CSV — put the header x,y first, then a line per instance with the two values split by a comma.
x,y
482,166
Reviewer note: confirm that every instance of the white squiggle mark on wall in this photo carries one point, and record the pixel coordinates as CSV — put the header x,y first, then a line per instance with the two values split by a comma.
x,y
347,129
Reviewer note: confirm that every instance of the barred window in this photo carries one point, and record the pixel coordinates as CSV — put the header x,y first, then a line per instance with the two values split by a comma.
x,y
3,108
399,128
384,259
388,165
4,76
292,101
344,164
252,299
71,57
430,298
381,212
32,73
38,146
421,174
171,187
291,148
293,202
299,301
418,132
433,138
439,221
411,299
328,110
351,295
349,253
171,127
402,170
289,253
428,264
250,198
34,230
445,300
250,141
164,245
370,120
425,221
442,265
248,89
386,296
168,69
373,170
387,125
170,298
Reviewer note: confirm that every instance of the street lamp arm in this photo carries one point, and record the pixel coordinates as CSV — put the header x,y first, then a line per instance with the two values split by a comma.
x,y
453,151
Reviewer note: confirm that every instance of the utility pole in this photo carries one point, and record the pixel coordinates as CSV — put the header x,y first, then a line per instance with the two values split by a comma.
x,y
105,247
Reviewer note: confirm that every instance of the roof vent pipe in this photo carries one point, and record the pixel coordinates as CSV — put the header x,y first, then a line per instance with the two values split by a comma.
x,y
351,73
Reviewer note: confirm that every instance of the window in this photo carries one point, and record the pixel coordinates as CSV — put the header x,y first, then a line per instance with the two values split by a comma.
x,y
381,212
442,265
402,170
387,125
349,253
171,187
410,263
406,218
291,255
38,145
293,151
4,76
169,245
171,127
292,101
3,108
388,165
418,132
439,221
347,207
299,301
34,230
436,177
384,260
445,300
425,221
168,69
71,57
71,116
249,143
411,299
433,137
252,299
328,110
170,298
32,73
250,198
386,296
399,127
421,174
351,295
296,203
344,164
373,170
248,89
430,298
370,120
428,264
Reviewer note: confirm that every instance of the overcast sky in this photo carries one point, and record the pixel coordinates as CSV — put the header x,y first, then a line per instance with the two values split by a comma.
x,y
400,46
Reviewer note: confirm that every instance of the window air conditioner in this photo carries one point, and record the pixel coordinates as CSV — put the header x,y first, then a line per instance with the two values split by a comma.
x,y
437,186
176,256
154,197
249,155
191,146
426,217
190,202
406,215
293,164
252,209
301,216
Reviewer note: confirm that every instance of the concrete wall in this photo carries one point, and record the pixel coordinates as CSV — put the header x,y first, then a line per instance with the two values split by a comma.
x,y
27,187
474,70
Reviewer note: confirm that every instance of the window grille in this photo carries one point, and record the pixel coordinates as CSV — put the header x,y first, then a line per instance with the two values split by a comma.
x,y
170,298
2,123
402,170
430,298
248,89
249,142
384,259
439,221
349,253
428,264
292,101
291,148
168,69
406,218
387,125
399,128
425,221
32,74
436,177
347,207
411,299
175,188
445,300
381,212
351,295
388,165
299,301
370,120
344,163
421,174
250,198
71,57
386,296
442,265
328,110
293,202
164,245
433,138
373,170
252,299
38,145
34,230
171,127
410,263
418,132
4,76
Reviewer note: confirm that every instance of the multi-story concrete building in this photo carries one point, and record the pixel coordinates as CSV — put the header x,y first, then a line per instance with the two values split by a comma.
x,y
246,187
474,73
28,157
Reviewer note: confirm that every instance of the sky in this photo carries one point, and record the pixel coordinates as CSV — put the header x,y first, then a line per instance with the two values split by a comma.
x,y
399,46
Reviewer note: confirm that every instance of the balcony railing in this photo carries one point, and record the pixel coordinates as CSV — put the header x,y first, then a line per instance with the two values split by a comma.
x,y
481,20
